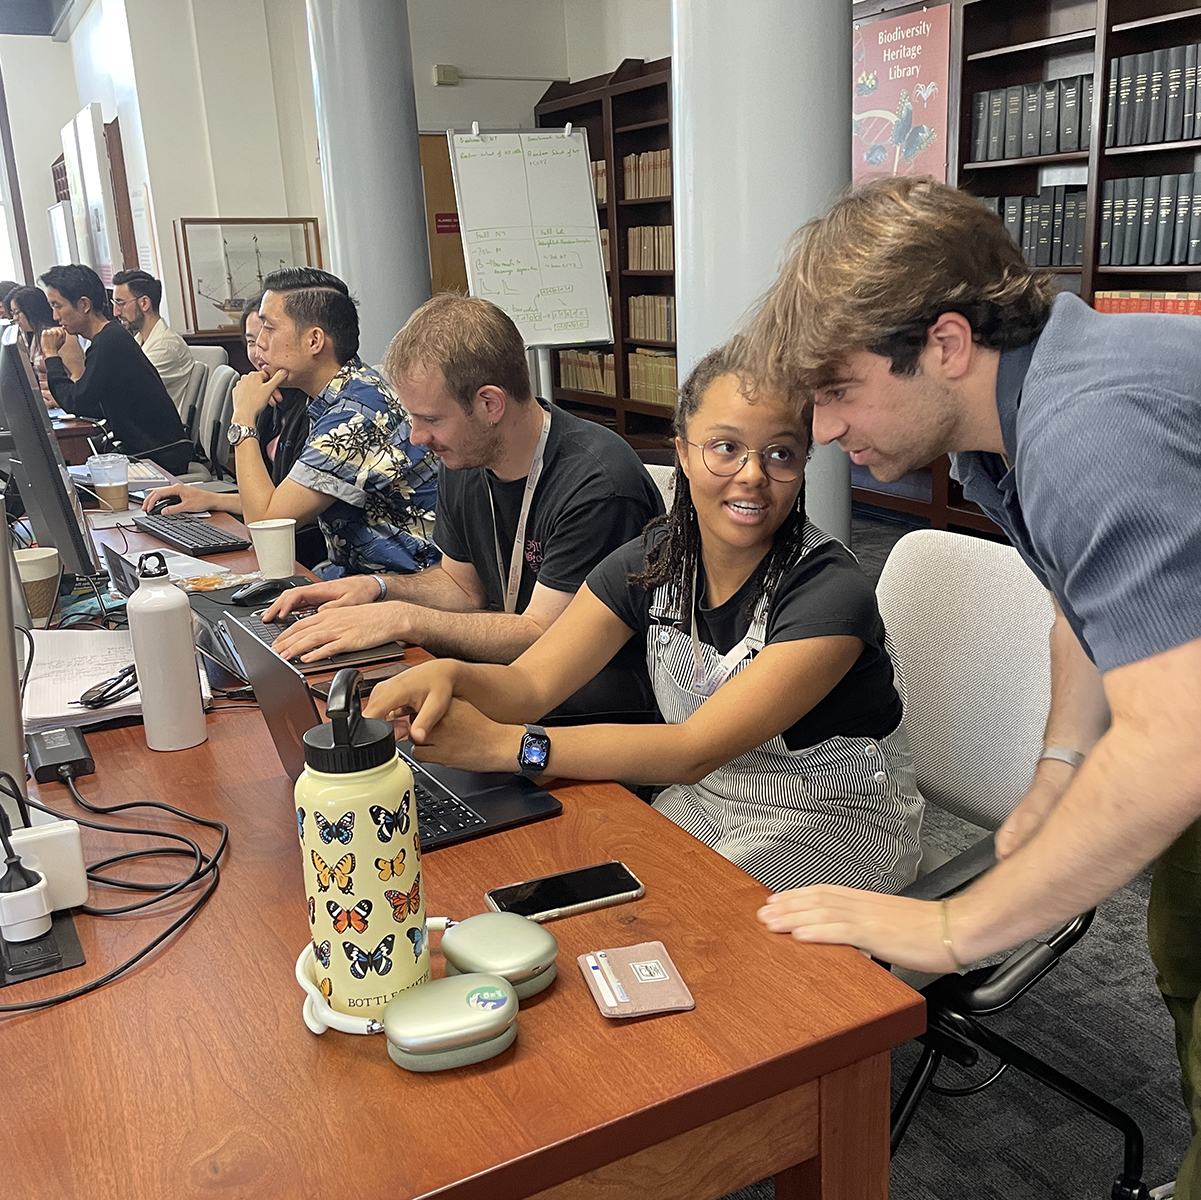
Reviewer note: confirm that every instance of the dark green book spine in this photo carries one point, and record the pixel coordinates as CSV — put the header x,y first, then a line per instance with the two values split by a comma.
x,y
1125,99
1013,217
1146,231
980,127
1049,138
1029,227
1184,209
1069,114
1046,206
1111,103
1070,221
1194,235
1157,97
1134,207
1057,227
1086,112
1117,240
996,124
1165,220
1190,91
1032,111
1013,121
1140,99
992,203
1173,109
1106,239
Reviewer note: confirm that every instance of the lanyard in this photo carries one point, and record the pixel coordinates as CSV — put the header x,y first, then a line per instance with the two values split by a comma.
x,y
531,482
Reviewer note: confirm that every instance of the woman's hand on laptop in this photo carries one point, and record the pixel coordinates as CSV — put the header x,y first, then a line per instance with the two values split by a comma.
x,y
332,593
416,700
341,630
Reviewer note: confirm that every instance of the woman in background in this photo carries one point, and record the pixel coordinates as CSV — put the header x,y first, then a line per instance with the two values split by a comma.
x,y
30,309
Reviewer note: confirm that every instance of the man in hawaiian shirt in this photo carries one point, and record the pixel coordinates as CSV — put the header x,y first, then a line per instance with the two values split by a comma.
x,y
372,492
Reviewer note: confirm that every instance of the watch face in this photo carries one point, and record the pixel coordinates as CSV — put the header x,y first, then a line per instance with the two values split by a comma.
x,y
534,750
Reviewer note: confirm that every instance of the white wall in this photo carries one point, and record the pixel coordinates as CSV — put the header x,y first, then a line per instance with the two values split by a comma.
x,y
483,37
39,83
600,33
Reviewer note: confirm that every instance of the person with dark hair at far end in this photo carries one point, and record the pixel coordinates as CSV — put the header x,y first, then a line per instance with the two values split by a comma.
x,y
358,475
136,297
114,381
7,287
32,313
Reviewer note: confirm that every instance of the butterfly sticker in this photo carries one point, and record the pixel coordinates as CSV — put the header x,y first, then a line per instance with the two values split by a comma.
x,y
300,823
416,935
326,988
322,952
340,873
391,868
417,844
911,138
355,918
342,829
312,911
390,822
404,903
378,960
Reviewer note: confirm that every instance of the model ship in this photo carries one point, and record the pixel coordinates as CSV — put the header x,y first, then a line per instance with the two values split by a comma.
x,y
234,300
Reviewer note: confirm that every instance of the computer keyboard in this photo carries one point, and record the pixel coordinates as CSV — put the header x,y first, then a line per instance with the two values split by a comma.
x,y
441,815
189,534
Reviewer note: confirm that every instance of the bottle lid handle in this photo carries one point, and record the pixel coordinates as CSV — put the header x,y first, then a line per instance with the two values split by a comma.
x,y
344,708
152,565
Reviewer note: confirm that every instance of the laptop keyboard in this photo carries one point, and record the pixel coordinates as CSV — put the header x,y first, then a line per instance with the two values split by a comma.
x,y
268,633
441,815
187,533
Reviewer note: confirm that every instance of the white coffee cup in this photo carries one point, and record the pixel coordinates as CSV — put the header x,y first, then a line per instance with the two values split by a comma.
x,y
275,546
39,571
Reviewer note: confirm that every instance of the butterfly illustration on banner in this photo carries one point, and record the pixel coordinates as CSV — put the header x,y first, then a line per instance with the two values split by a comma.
x,y
378,960
404,903
355,918
390,822
342,829
391,868
339,873
322,952
416,935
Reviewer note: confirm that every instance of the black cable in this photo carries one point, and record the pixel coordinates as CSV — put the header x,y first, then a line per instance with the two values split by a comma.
x,y
28,661
99,597
204,866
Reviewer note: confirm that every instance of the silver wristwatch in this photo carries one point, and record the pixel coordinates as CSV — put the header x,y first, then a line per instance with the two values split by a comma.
x,y
238,433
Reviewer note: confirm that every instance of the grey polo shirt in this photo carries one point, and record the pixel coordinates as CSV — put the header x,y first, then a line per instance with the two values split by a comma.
x,y
1101,421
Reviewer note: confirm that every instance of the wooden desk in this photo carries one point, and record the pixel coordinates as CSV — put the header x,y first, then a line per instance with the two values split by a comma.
x,y
195,1076
72,436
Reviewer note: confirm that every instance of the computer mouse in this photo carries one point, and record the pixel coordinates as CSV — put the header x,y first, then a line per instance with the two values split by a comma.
x,y
156,509
262,591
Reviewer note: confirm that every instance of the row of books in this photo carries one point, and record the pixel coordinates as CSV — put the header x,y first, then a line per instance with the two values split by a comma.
x,y
650,248
653,318
600,180
1186,303
586,371
1154,220
647,176
653,376
1153,97
1026,119
1049,227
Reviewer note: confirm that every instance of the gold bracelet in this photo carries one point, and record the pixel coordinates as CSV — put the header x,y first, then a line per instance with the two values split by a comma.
x,y
944,922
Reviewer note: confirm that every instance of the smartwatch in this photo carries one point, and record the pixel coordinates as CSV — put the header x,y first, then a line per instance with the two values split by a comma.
x,y
535,750
239,433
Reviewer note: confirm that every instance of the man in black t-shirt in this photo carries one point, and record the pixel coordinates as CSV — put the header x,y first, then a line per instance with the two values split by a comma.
x,y
515,477
114,381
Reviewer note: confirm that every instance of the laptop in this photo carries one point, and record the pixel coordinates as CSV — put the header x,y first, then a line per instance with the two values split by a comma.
x,y
452,805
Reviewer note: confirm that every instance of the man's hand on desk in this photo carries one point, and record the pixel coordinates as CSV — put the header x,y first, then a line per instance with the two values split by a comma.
x,y
332,593
191,499
338,630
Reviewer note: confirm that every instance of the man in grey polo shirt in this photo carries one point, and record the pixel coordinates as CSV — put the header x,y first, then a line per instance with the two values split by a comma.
x,y
907,317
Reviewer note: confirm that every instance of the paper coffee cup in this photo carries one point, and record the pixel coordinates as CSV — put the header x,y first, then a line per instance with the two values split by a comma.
x,y
39,572
274,546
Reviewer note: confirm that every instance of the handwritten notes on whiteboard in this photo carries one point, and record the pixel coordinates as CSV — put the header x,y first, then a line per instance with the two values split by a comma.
x,y
527,212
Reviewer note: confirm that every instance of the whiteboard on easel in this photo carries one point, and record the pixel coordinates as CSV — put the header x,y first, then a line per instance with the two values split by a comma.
x,y
531,235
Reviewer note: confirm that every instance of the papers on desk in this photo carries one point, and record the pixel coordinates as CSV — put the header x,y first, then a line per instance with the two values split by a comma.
x,y
66,662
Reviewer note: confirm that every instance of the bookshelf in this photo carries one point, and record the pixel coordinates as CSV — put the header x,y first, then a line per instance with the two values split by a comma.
x,y
627,113
1004,43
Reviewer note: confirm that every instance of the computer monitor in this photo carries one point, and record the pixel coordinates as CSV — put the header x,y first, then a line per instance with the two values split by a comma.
x,y
12,739
37,463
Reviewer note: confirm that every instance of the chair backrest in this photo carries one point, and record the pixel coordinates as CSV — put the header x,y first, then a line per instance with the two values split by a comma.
x,y
213,429
212,356
969,626
665,481
193,397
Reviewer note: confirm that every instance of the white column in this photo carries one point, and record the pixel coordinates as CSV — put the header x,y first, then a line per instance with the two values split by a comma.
x,y
370,164
761,137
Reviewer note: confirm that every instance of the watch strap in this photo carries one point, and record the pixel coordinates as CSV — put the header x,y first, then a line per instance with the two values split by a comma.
x,y
1062,754
239,433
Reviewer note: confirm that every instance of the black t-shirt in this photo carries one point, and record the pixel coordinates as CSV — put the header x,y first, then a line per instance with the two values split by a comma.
x,y
594,495
824,595
119,384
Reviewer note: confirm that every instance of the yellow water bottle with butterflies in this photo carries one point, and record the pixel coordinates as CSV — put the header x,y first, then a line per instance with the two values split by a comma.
x,y
357,821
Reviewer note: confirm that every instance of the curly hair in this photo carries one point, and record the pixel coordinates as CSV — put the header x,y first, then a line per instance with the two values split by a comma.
x,y
878,269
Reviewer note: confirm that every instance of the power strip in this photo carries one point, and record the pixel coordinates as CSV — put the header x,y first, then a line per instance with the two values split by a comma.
x,y
54,850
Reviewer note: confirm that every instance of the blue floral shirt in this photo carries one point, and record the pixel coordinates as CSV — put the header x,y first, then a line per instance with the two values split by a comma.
x,y
385,489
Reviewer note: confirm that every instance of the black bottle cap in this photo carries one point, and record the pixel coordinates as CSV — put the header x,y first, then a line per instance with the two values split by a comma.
x,y
152,565
349,742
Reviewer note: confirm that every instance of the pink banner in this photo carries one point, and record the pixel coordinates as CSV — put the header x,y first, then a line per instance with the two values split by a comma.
x,y
899,106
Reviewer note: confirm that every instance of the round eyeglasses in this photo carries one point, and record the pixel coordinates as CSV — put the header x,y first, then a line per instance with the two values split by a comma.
x,y
727,456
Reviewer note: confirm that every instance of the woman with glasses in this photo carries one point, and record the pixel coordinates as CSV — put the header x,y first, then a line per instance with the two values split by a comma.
x,y
31,311
782,745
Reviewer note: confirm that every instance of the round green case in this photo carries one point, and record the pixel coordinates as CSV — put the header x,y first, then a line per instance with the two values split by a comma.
x,y
505,944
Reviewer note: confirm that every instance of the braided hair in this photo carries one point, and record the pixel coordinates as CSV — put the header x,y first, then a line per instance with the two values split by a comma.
x,y
670,559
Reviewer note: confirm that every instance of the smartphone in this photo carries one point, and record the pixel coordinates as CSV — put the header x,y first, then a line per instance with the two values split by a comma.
x,y
567,893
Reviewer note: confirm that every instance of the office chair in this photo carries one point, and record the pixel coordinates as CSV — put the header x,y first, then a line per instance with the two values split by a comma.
x,y
969,627
213,426
192,397
212,356
661,466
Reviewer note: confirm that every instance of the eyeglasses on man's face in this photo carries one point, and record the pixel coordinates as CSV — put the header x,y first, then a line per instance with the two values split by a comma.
x,y
727,456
